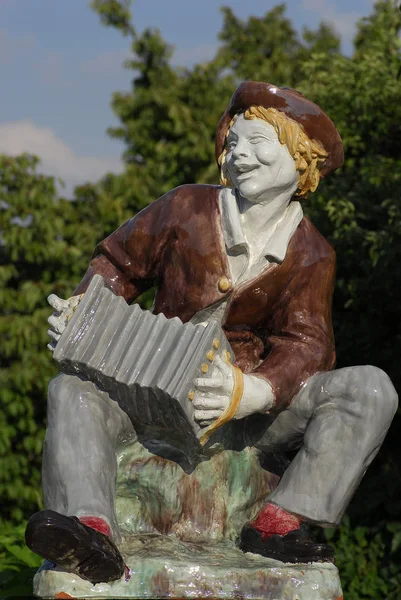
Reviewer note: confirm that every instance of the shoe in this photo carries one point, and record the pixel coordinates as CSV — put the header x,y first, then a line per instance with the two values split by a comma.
x,y
74,547
294,547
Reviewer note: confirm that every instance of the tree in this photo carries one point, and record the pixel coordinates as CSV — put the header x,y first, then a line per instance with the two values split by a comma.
x,y
359,211
30,256
45,245
269,48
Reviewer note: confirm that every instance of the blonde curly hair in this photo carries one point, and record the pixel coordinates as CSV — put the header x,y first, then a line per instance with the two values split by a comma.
x,y
309,155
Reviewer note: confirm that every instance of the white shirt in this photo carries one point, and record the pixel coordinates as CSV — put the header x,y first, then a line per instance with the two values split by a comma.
x,y
247,258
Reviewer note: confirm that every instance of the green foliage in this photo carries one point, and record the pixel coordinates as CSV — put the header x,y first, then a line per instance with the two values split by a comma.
x,y
29,254
166,126
17,585
359,208
368,559
14,554
167,122
45,245
17,563
115,13
269,48
260,49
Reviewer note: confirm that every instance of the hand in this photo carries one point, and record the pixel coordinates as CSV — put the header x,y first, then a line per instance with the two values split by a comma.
x,y
213,395
63,311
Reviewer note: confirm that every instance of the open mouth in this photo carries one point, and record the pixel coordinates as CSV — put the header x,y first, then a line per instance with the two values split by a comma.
x,y
244,170
244,173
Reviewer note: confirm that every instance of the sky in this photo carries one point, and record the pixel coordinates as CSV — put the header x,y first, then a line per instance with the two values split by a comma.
x,y
59,67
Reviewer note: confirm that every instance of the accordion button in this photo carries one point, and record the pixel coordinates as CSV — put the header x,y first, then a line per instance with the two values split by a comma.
x,y
191,395
210,355
227,356
204,368
224,284
216,343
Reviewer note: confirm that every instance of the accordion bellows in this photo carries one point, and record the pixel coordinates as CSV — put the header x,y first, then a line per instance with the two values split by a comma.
x,y
147,363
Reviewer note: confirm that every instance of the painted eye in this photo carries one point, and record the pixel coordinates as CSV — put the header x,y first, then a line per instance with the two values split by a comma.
x,y
257,139
231,146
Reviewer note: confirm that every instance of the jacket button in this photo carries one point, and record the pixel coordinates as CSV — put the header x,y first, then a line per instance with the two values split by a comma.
x,y
224,284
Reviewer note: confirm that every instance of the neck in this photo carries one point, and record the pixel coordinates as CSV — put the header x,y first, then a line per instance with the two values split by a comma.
x,y
259,217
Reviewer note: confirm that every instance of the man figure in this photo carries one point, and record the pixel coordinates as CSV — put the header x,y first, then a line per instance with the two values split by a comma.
x,y
247,257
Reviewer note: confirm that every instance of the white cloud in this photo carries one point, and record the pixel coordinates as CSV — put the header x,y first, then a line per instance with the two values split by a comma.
x,y
57,158
106,63
13,47
187,57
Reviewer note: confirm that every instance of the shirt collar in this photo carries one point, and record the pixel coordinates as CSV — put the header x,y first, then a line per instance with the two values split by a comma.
x,y
277,236
231,220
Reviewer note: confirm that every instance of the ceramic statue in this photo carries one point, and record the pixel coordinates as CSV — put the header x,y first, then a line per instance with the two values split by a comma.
x,y
132,510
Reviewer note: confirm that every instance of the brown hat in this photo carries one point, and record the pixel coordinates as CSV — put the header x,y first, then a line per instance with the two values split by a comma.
x,y
317,125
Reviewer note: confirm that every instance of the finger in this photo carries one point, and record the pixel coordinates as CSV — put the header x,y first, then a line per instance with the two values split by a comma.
x,y
51,346
205,423
56,324
207,415
208,384
223,367
54,335
57,303
206,403
74,300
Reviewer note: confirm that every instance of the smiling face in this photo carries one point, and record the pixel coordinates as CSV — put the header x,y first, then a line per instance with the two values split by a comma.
x,y
257,163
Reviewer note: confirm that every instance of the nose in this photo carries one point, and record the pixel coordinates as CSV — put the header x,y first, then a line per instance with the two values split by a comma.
x,y
241,150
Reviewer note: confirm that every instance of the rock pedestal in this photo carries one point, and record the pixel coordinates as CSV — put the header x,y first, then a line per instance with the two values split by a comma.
x,y
179,531
163,567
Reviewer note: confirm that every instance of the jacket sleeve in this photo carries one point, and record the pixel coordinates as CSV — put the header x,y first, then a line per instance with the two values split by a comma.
x,y
302,341
129,258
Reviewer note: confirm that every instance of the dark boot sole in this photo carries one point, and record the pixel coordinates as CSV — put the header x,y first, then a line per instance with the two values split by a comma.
x,y
291,548
74,547
284,556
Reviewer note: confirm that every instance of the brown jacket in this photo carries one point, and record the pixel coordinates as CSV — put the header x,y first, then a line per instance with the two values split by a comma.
x,y
279,323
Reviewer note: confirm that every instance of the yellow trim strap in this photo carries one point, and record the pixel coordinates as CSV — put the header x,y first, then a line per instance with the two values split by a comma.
x,y
231,409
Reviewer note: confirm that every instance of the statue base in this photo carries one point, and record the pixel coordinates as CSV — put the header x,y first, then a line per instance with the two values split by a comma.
x,y
166,567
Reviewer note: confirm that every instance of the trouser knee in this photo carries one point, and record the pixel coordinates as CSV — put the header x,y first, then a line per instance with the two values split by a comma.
x,y
68,398
366,391
78,403
376,393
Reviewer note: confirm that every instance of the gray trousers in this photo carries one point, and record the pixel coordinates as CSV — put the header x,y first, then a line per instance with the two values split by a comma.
x,y
338,420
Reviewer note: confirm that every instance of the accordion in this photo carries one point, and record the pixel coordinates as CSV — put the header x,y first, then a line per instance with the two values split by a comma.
x,y
148,364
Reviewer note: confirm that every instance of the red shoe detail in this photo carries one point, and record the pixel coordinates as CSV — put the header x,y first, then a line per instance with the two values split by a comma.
x,y
273,520
97,523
